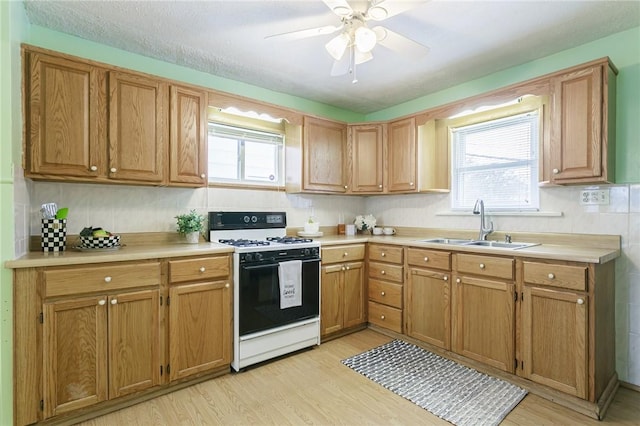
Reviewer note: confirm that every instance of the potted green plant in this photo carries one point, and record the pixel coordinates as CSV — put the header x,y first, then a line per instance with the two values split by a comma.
x,y
190,225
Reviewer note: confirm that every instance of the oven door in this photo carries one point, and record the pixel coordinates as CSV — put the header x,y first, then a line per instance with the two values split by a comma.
x,y
259,297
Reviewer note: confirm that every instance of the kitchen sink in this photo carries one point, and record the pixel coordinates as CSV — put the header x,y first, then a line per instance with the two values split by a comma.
x,y
479,243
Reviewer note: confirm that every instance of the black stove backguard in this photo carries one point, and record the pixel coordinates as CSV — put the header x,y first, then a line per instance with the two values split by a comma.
x,y
224,221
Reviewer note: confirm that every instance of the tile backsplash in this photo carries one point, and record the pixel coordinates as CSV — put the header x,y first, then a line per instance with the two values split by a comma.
x,y
124,209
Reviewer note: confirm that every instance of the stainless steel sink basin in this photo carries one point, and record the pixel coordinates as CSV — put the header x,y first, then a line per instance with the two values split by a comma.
x,y
480,243
499,244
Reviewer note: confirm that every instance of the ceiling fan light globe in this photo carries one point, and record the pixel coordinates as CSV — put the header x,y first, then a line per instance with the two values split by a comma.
x,y
377,13
365,39
337,46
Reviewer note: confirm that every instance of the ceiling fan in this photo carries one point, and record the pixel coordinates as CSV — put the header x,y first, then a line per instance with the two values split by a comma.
x,y
356,40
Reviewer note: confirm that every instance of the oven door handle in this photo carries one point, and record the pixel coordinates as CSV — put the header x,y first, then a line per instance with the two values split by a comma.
x,y
272,265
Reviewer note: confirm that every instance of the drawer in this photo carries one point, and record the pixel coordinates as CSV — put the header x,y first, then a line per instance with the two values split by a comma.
x,y
385,293
391,254
342,253
385,271
385,316
100,278
202,268
429,258
487,266
565,276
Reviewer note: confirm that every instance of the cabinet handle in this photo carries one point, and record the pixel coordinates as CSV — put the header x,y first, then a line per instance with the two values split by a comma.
x,y
380,186
348,268
580,301
446,278
342,268
551,276
410,183
202,176
102,302
346,187
382,293
482,266
114,301
383,272
426,259
202,269
93,168
107,279
383,254
345,254
226,285
556,171
382,317
458,280
113,170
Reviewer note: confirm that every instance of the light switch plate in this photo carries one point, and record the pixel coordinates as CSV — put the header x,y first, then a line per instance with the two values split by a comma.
x,y
594,197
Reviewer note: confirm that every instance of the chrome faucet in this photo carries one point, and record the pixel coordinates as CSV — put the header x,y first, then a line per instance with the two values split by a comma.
x,y
484,230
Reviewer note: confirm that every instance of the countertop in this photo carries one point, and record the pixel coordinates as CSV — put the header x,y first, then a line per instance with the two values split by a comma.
x,y
567,247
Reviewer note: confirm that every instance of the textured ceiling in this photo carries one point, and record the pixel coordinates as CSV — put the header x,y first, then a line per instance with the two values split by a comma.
x,y
467,40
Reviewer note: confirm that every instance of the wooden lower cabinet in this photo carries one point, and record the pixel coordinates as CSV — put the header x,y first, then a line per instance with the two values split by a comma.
x,y
342,297
429,307
199,328
98,348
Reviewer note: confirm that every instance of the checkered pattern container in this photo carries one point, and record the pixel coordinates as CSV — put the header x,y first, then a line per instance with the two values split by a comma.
x,y
54,234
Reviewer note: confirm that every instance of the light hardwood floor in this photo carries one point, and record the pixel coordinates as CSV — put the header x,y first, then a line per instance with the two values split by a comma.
x,y
313,388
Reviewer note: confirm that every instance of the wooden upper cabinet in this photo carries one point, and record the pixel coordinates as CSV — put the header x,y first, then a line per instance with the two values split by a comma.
x,y
583,126
138,131
366,148
401,156
188,136
324,156
65,118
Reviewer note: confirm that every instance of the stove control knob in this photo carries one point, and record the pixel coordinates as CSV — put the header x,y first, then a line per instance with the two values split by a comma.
x,y
307,252
246,219
248,257
258,257
254,219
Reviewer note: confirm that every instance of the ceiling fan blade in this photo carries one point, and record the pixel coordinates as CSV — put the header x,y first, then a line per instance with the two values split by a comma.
x,y
311,32
339,7
399,43
384,9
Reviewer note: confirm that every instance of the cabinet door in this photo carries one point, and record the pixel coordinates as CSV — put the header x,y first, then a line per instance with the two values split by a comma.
x,y
332,301
188,140
199,328
354,297
324,151
576,125
75,354
138,131
428,307
66,118
401,155
366,146
483,321
134,333
554,339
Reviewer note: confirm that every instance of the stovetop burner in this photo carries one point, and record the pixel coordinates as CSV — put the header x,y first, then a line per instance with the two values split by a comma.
x,y
289,240
243,242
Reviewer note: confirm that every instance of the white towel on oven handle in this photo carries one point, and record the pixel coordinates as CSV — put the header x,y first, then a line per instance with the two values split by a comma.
x,y
290,279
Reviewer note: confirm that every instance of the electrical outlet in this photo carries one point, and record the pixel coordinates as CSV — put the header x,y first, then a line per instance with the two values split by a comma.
x,y
594,197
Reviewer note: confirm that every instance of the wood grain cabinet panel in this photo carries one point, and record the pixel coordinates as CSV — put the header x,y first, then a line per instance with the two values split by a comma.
x,y
385,316
188,136
429,307
346,253
138,130
65,118
389,254
429,258
366,154
401,156
324,152
554,275
202,268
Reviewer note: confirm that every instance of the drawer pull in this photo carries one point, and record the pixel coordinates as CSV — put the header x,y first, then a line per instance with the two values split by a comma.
x,y
426,259
580,301
107,279
226,285
382,293
482,266
202,269
446,278
102,302
93,168
345,254
383,254
114,301
556,171
383,272
551,276
382,317
113,170
458,280
202,176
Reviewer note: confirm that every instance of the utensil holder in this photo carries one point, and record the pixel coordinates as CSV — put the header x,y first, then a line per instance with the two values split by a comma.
x,y
54,234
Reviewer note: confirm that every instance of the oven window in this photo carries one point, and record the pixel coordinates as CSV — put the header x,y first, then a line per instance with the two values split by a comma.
x,y
259,297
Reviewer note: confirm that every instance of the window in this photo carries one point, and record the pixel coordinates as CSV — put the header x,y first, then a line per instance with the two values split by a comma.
x,y
496,159
239,155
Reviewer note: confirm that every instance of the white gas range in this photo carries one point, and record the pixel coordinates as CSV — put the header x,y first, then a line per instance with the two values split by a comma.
x,y
264,328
